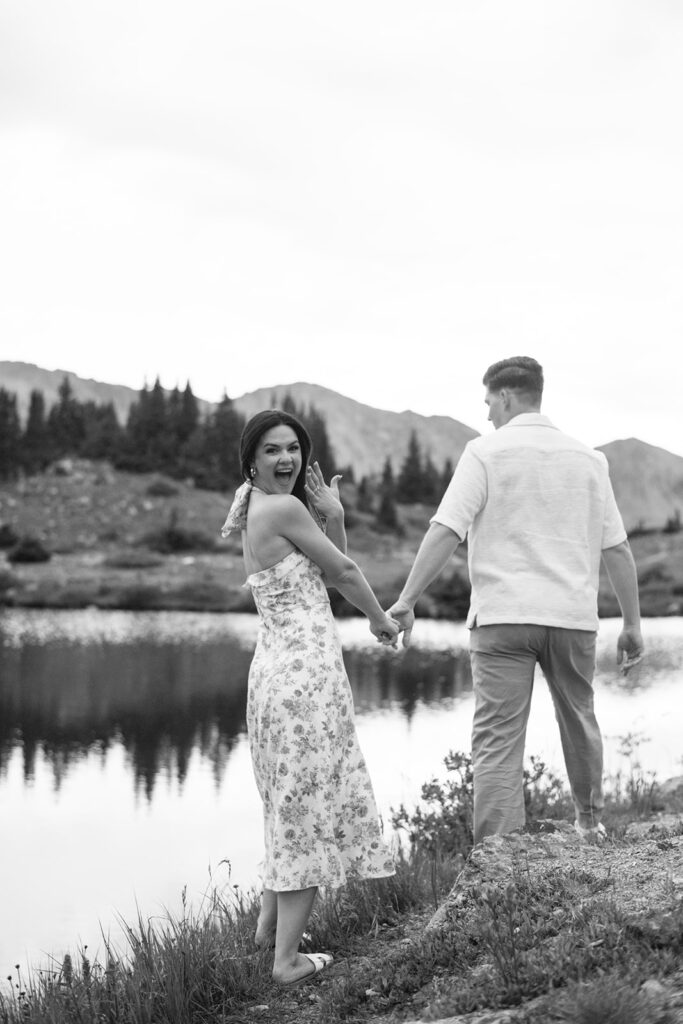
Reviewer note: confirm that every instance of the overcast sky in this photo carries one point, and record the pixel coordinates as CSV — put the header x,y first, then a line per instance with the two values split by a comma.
x,y
381,197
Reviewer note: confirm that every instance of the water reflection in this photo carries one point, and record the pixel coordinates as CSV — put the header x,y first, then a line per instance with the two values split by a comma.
x,y
160,700
167,695
416,677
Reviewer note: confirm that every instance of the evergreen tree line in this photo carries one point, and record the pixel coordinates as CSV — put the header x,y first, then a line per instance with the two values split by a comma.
x,y
418,481
164,433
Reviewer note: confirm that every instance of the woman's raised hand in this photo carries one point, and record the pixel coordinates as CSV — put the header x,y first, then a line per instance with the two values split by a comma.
x,y
324,499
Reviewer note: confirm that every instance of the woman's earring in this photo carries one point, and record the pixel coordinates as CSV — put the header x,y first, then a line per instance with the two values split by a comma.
x,y
252,472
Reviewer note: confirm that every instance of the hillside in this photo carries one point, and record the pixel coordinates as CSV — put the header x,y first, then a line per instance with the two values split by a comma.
x,y
103,527
22,378
362,436
648,481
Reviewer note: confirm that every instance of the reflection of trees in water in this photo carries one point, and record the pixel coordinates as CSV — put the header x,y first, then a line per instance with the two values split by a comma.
x,y
383,678
160,702
66,701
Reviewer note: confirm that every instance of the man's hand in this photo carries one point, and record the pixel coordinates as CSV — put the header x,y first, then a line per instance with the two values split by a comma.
x,y
629,648
404,615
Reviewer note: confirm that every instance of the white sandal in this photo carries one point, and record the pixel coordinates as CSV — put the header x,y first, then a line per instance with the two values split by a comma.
x,y
319,960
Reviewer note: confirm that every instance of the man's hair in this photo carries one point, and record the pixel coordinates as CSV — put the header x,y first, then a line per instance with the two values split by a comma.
x,y
519,373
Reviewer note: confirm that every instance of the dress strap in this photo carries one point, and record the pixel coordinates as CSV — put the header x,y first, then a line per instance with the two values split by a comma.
x,y
237,516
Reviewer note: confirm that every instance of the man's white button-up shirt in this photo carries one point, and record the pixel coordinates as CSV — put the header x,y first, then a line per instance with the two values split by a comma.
x,y
538,508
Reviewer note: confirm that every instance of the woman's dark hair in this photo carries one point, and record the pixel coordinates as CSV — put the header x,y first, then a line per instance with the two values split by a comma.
x,y
254,431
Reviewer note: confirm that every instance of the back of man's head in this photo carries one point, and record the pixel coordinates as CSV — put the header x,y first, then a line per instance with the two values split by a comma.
x,y
520,374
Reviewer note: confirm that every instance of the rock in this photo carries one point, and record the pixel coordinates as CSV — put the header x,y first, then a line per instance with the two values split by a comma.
x,y
652,987
672,787
645,871
492,860
663,826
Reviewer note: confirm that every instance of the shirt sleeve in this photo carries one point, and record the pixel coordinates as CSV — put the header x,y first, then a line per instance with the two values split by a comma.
x,y
465,495
613,531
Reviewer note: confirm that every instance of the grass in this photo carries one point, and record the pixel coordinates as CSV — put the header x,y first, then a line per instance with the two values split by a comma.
x,y
555,942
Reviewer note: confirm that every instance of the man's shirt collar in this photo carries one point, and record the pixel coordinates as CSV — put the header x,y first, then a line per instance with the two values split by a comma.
x,y
529,419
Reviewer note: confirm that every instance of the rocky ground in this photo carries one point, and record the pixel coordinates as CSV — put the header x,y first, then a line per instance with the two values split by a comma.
x,y
595,936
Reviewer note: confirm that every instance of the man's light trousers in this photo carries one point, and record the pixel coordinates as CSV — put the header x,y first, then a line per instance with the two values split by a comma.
x,y
504,658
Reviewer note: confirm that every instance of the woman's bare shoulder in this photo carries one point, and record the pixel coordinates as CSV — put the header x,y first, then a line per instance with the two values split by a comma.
x,y
276,509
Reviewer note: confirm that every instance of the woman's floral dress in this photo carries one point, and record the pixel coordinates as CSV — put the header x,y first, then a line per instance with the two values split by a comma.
x,y
320,818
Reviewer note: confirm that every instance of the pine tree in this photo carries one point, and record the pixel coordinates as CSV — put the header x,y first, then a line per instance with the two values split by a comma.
x,y
388,482
211,455
10,436
364,502
133,452
446,476
173,414
188,420
410,483
290,406
387,515
148,443
314,422
36,444
103,432
65,422
182,417
160,441
431,482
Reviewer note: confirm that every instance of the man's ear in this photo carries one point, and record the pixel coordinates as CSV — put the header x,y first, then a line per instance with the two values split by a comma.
x,y
506,395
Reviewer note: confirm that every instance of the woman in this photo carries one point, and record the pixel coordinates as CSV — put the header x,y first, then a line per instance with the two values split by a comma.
x,y
320,818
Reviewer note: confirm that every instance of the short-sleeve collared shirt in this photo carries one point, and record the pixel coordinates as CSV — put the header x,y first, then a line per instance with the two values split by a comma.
x,y
538,508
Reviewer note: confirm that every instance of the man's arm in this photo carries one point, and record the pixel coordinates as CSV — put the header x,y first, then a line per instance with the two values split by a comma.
x,y
438,544
621,569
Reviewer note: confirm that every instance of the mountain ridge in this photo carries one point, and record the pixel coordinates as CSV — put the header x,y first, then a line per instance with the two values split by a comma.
x,y
647,480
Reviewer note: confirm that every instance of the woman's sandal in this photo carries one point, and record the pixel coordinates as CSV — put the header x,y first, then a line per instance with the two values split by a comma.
x,y
319,960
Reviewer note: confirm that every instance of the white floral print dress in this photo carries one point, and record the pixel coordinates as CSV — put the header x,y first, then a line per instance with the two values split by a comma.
x,y
320,818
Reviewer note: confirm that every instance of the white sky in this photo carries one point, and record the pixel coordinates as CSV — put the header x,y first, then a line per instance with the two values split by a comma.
x,y
379,196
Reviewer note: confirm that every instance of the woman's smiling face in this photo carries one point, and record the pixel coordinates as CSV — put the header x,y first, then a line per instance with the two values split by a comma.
x,y
277,460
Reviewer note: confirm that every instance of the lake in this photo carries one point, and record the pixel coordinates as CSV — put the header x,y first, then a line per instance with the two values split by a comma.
x,y
125,777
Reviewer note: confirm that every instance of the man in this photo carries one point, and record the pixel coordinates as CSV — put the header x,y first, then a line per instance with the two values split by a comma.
x,y
538,510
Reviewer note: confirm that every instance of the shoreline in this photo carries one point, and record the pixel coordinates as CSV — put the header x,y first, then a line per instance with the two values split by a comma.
x,y
213,582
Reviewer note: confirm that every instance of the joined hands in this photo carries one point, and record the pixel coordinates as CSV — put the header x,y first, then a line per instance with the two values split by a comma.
x,y
404,617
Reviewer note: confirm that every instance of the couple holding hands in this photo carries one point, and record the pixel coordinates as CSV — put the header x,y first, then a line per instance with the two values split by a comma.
x,y
538,510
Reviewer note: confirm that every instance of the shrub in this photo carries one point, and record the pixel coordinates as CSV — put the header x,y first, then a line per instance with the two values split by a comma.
x,y
609,1000
8,536
173,539
452,595
7,581
135,559
444,828
29,549
162,489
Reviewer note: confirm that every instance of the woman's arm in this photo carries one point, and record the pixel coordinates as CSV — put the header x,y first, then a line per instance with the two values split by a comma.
x,y
294,523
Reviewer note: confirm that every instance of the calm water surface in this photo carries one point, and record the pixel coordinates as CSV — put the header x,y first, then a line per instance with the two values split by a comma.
x,y
124,769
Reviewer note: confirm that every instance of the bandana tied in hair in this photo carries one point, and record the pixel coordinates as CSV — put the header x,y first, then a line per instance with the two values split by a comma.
x,y
237,516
